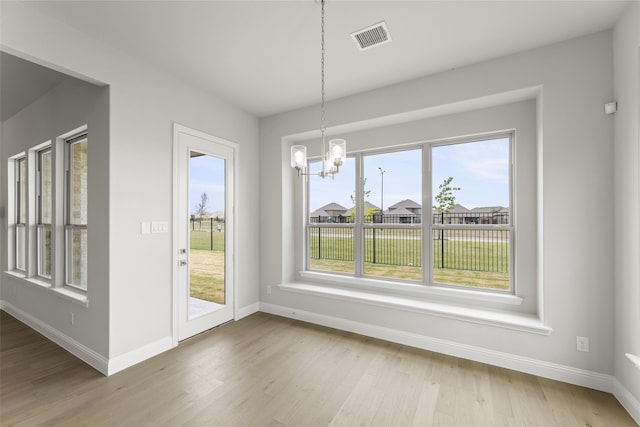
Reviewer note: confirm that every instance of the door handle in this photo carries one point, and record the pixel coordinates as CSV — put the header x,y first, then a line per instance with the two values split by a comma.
x,y
183,263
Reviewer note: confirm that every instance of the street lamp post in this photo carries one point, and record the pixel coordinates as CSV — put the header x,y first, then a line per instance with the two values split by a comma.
x,y
381,194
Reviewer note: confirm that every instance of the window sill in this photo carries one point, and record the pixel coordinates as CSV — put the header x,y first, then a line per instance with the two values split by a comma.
x,y
464,296
37,282
68,294
514,321
15,273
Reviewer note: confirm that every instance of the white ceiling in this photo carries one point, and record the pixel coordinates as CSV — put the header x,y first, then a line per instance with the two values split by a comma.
x,y
264,56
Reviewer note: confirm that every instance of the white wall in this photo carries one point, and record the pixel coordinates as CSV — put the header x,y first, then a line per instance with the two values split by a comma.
x,y
576,166
627,207
144,104
68,106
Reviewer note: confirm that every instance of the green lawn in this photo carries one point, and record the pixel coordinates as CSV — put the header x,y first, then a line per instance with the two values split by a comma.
x,y
394,258
480,261
203,240
448,276
207,266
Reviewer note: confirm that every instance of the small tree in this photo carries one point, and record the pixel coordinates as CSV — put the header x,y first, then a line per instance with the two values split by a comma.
x,y
367,193
201,207
445,199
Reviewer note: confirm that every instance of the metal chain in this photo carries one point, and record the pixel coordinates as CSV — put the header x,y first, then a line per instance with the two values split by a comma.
x,y
322,113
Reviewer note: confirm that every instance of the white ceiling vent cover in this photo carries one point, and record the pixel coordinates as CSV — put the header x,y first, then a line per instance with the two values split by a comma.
x,y
372,36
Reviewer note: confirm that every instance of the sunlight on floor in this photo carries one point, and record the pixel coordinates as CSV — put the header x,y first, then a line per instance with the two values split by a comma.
x,y
199,307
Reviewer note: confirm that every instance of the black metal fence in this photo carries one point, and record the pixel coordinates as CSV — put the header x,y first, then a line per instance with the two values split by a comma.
x,y
469,249
482,249
207,233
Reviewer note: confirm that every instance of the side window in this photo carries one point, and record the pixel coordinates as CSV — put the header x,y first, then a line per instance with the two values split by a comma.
x,y
330,227
76,155
20,214
47,196
392,223
471,226
44,212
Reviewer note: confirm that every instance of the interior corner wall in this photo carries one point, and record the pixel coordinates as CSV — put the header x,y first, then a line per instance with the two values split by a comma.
x,y
576,163
627,201
68,106
145,102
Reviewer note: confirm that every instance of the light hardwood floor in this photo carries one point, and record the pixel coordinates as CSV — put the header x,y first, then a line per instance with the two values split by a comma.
x,y
269,371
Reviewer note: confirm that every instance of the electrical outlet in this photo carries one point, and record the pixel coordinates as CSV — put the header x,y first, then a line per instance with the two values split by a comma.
x,y
269,289
582,344
71,318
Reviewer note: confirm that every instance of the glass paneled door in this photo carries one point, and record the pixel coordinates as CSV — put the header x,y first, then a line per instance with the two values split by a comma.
x,y
204,224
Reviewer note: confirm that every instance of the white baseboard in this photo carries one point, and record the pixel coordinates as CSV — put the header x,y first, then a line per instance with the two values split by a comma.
x,y
82,352
528,365
150,350
247,310
627,400
79,350
138,355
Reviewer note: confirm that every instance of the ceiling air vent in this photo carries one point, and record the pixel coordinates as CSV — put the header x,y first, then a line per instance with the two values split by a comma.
x,y
374,35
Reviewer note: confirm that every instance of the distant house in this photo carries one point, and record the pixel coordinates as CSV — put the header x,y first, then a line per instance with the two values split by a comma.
x,y
371,212
331,212
368,207
404,212
409,212
480,215
492,215
216,216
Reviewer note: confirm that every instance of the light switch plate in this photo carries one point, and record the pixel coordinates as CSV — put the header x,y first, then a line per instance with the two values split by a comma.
x,y
145,227
159,227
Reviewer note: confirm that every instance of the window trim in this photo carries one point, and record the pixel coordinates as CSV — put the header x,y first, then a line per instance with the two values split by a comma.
x,y
425,287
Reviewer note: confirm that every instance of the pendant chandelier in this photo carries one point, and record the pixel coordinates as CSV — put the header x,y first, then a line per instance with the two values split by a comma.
x,y
334,157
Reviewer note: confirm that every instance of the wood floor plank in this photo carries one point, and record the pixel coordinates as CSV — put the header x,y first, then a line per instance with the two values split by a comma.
x,y
270,371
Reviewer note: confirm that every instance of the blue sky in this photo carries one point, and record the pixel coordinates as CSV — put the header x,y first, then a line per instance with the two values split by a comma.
x,y
480,169
206,174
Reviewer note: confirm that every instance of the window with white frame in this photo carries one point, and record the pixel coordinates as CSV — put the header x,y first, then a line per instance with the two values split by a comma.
x,y
20,214
44,203
331,225
380,228
48,201
76,161
471,228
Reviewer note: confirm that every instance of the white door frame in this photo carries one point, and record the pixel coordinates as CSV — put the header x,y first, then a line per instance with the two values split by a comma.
x,y
230,222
